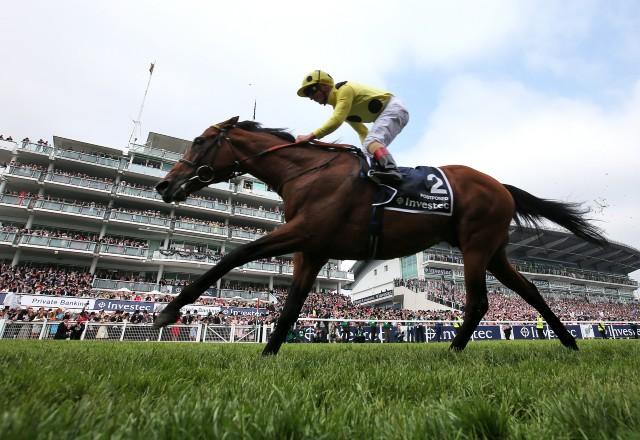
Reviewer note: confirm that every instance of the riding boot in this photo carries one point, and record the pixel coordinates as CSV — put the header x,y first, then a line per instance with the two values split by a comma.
x,y
387,170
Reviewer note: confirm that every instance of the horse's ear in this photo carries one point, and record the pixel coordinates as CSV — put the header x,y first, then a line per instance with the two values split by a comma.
x,y
232,121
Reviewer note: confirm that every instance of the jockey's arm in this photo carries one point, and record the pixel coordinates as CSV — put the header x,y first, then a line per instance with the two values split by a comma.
x,y
361,129
344,99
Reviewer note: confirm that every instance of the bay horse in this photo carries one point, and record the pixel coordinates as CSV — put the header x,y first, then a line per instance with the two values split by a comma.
x,y
327,208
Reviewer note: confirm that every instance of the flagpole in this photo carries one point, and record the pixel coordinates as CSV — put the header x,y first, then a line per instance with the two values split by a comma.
x,y
137,122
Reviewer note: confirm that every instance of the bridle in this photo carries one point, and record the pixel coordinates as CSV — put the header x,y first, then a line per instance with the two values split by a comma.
x,y
206,174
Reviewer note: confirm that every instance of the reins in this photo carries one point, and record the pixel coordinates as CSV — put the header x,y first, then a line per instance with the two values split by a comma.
x,y
206,174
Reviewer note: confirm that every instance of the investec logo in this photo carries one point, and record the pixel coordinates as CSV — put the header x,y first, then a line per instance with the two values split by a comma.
x,y
431,204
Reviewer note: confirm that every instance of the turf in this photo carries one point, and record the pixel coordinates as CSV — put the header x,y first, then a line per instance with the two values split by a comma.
x,y
509,389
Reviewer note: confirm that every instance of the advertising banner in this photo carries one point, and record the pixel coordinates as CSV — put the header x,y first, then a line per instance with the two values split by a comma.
x,y
112,305
234,311
54,302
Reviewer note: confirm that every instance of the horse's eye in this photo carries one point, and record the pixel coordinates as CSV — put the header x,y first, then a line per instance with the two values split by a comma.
x,y
198,140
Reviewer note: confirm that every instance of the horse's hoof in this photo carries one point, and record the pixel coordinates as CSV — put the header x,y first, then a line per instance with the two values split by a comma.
x,y
572,344
166,317
455,348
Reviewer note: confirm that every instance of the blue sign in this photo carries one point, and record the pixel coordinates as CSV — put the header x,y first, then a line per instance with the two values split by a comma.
x,y
574,329
125,306
525,332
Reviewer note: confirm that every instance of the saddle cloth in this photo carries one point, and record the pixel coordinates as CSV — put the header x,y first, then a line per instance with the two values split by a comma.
x,y
423,190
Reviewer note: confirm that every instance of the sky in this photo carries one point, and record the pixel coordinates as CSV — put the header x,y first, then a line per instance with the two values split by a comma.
x,y
543,95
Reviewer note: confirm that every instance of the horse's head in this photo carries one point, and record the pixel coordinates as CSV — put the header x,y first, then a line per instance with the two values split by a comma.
x,y
205,161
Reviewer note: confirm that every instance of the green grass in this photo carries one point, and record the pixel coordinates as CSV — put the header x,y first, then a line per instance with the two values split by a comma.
x,y
510,389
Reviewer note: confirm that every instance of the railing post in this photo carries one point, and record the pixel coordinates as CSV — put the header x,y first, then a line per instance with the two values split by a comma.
x,y
199,333
124,327
43,331
160,334
84,332
2,324
204,333
232,334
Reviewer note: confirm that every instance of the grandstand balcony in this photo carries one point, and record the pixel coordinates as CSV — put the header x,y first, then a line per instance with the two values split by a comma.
x,y
8,146
8,238
257,266
238,234
200,228
132,286
271,216
287,269
39,149
88,158
139,193
53,206
180,256
145,171
259,192
24,173
15,201
157,153
119,250
139,219
61,180
246,295
57,244
198,204
340,275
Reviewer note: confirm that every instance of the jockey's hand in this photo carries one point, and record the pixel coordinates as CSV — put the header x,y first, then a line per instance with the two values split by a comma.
x,y
305,137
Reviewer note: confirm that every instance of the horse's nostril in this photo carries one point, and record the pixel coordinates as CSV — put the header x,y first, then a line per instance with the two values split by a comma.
x,y
162,186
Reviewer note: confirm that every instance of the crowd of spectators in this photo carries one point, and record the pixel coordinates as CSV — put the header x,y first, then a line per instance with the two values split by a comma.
x,y
8,138
199,221
61,281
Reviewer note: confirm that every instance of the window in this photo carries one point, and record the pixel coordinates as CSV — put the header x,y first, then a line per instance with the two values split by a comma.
x,y
409,267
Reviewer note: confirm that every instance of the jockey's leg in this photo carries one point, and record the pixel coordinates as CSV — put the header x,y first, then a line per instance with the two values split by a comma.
x,y
388,171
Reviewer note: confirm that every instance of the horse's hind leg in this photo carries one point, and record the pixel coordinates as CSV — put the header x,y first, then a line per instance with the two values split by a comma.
x,y
305,270
476,305
507,275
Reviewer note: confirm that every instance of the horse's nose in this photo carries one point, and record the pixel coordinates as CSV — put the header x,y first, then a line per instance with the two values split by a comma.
x,y
162,186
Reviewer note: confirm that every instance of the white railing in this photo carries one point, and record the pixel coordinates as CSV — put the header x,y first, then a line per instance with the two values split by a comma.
x,y
305,330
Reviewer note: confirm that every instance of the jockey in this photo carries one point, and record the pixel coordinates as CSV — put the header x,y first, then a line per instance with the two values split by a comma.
x,y
356,103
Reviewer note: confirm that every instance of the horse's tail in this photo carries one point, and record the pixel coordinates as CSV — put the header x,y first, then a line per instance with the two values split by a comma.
x,y
530,210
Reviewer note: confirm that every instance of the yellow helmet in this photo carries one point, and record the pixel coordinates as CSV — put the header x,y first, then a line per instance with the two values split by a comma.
x,y
315,77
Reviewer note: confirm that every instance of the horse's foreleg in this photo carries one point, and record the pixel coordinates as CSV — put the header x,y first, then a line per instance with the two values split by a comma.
x,y
305,270
282,241
507,275
476,305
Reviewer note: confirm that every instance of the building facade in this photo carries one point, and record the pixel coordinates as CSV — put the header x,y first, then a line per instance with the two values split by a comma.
x,y
94,208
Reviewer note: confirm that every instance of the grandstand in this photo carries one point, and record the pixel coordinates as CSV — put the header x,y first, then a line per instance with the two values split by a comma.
x,y
93,211
82,226
563,267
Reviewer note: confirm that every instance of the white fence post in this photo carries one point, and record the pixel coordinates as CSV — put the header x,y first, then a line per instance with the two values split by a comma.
x,y
160,334
43,331
2,323
124,327
232,333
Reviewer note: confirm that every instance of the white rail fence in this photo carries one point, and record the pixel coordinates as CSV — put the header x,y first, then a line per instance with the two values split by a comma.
x,y
306,330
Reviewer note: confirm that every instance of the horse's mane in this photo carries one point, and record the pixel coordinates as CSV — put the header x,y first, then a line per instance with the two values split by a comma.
x,y
257,127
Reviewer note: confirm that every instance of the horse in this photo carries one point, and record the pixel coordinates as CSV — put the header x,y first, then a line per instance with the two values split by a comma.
x,y
327,209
